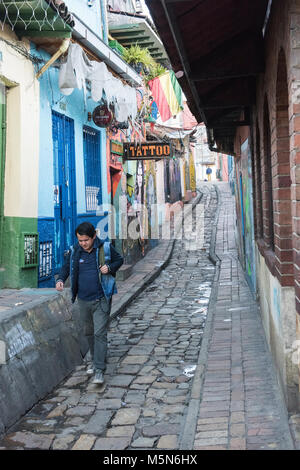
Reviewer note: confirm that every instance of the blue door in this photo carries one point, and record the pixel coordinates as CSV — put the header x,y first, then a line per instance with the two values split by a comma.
x,y
64,185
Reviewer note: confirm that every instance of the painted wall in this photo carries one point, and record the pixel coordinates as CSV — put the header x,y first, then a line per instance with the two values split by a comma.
x,y
76,107
244,210
90,15
277,303
231,172
247,189
173,180
21,161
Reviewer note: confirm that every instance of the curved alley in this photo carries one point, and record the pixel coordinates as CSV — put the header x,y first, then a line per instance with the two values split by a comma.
x,y
188,364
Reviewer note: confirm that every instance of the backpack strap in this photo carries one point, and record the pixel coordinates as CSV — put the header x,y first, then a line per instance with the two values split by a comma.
x,y
107,256
101,257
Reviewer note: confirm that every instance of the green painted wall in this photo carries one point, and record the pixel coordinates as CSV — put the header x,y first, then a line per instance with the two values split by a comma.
x,y
2,162
12,275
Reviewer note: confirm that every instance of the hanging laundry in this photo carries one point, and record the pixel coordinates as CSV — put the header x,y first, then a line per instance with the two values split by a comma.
x,y
78,68
75,70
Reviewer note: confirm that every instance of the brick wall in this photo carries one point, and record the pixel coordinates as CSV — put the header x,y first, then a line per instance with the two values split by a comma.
x,y
294,128
275,136
273,146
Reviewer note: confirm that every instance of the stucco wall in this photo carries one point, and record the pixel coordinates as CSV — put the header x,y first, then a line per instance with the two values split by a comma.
x,y
278,314
91,16
20,161
22,134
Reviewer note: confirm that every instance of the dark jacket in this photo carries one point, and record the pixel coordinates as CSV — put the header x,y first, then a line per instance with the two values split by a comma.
x,y
71,265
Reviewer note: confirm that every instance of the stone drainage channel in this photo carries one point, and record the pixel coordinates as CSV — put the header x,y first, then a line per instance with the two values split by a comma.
x,y
152,358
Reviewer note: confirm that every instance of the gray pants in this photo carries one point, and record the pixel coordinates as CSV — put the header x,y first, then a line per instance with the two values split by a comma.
x,y
94,316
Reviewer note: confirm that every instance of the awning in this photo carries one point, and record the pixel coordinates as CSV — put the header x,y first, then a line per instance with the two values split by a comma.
x,y
37,18
219,47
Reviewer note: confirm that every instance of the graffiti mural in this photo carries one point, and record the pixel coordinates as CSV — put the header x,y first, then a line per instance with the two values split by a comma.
x,y
150,195
172,181
192,173
247,204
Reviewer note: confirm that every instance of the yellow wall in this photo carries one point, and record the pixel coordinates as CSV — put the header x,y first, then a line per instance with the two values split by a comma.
x,y
22,135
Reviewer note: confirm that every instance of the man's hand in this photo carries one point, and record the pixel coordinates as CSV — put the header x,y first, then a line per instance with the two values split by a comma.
x,y
104,269
59,286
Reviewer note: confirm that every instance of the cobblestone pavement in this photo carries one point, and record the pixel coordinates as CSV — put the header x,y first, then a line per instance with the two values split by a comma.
x,y
153,351
188,365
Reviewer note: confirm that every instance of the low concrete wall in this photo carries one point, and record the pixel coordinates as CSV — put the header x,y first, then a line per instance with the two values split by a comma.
x,y
40,346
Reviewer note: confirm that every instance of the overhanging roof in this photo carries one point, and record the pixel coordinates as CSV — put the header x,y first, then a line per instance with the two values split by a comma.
x,y
95,44
37,18
47,22
219,47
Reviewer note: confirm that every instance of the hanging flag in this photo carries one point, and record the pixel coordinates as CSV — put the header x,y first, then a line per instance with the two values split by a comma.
x,y
167,94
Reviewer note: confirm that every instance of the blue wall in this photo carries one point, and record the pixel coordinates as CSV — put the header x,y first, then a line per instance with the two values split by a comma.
x,y
75,107
90,15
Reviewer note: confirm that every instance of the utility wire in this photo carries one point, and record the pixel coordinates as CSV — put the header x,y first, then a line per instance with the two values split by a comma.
x,y
21,49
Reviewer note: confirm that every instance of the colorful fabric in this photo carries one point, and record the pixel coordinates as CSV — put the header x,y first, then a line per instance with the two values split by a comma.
x,y
167,94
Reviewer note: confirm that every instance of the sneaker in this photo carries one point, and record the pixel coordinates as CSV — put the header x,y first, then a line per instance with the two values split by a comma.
x,y
90,370
99,378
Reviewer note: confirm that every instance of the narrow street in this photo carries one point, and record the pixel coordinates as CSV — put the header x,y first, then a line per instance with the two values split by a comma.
x,y
188,364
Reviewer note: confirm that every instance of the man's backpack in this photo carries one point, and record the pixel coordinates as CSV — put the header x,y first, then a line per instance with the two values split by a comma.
x,y
108,282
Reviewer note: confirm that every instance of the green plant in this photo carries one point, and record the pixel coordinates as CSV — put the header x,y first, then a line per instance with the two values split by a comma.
x,y
136,54
154,71
140,57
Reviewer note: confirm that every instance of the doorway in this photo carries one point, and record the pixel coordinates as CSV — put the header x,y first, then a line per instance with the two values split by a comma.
x,y
64,186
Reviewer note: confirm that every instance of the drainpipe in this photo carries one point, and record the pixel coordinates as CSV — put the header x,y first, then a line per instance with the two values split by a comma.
x,y
104,20
63,48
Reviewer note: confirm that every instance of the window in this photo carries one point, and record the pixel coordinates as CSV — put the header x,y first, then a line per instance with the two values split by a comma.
x,y
92,168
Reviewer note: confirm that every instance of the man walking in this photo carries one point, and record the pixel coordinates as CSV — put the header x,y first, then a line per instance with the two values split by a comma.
x,y
87,266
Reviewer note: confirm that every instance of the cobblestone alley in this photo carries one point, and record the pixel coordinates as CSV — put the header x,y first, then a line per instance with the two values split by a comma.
x,y
188,364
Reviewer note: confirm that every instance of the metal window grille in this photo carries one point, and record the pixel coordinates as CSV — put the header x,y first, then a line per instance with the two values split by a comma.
x,y
45,266
29,250
92,168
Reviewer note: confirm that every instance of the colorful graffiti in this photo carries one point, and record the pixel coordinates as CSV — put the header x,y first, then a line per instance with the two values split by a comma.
x,y
192,173
150,195
172,181
135,183
247,200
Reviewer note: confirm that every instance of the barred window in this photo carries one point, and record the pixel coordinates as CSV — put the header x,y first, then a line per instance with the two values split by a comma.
x,y
92,168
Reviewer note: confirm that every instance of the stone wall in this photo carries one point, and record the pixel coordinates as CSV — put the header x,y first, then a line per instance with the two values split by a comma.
x,y
40,346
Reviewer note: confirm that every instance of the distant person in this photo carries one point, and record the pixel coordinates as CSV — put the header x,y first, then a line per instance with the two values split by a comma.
x,y
91,281
209,172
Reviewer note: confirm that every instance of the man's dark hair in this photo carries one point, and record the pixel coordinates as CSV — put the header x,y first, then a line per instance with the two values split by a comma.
x,y
86,228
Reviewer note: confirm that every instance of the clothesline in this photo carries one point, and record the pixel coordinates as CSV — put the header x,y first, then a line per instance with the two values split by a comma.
x,y
78,68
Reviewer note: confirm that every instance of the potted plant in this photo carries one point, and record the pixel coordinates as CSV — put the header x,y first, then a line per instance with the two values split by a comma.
x,y
155,71
138,57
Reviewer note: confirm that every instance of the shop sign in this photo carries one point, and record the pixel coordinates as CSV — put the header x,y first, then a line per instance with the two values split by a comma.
x,y
102,116
146,151
116,153
116,147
